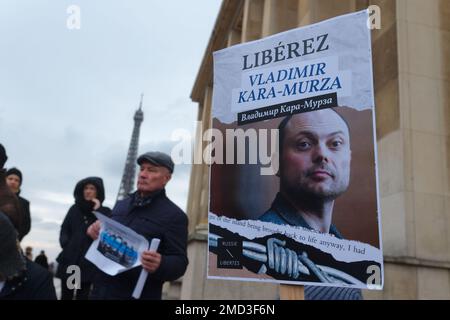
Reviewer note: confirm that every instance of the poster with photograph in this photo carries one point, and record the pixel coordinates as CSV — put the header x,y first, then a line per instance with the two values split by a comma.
x,y
293,182
117,249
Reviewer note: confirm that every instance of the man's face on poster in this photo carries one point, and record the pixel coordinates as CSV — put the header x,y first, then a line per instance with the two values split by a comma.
x,y
315,155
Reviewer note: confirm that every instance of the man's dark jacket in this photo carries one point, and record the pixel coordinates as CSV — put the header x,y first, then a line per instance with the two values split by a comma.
x,y
34,283
283,213
154,217
26,222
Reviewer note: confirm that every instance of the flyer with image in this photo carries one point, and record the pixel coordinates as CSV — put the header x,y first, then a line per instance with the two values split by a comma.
x,y
117,249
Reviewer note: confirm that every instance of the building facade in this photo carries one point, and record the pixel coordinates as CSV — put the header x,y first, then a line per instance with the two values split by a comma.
x,y
411,60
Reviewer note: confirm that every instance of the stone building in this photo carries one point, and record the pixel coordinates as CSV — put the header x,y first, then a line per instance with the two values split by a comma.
x,y
411,59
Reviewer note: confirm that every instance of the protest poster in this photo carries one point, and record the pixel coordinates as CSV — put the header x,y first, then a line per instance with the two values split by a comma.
x,y
294,191
117,249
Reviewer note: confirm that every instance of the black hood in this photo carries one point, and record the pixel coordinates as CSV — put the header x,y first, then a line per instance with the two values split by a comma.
x,y
96,181
3,156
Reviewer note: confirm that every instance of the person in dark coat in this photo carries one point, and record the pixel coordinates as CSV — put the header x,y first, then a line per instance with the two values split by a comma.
x,y
152,214
14,181
89,195
20,278
9,204
42,260
3,156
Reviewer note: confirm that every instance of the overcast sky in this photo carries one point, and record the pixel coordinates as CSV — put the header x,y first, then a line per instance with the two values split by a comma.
x,y
67,97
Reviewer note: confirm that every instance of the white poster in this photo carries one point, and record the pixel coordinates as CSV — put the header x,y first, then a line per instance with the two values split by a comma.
x,y
293,188
117,249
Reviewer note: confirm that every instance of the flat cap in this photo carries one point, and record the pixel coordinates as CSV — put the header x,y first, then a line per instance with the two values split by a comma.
x,y
157,158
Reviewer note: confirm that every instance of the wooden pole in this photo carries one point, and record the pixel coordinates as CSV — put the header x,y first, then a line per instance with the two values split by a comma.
x,y
291,292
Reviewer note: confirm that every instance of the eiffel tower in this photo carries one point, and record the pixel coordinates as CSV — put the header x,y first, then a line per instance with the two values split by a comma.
x,y
129,173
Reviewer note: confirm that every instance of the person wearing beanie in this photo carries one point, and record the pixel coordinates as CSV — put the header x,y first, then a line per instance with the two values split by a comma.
x,y
89,195
9,204
20,278
14,181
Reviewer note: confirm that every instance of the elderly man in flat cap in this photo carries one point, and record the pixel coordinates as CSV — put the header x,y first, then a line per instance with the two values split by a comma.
x,y
149,212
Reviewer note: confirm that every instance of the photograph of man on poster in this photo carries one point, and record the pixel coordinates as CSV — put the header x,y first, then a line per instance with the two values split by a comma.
x,y
314,170
323,183
324,179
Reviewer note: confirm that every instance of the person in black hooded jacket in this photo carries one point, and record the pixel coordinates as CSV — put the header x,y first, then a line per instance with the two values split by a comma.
x,y
14,181
89,195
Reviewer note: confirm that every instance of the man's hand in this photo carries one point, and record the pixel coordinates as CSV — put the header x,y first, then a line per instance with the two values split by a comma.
x,y
151,260
94,230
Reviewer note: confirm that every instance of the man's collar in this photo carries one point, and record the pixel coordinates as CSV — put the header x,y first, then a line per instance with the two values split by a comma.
x,y
289,213
141,201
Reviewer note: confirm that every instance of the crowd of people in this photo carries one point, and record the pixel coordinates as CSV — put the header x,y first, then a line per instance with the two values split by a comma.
x,y
147,211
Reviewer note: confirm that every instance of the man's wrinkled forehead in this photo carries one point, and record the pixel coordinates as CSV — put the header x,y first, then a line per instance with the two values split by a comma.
x,y
147,164
321,122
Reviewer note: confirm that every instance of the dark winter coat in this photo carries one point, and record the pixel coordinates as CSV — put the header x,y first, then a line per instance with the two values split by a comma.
x,y
9,204
35,283
73,238
42,260
25,226
156,217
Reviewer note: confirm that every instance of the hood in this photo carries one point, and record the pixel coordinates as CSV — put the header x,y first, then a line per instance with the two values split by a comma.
x,y
3,156
96,181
